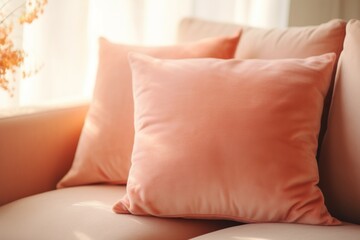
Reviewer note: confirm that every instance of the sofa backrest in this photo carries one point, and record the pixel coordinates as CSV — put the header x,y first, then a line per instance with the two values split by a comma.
x,y
339,161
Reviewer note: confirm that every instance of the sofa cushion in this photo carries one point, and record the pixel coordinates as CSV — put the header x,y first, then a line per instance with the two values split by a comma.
x,y
292,42
283,231
85,213
104,150
228,139
340,156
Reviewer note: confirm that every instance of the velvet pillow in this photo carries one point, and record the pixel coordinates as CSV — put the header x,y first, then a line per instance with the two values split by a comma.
x,y
291,42
105,145
228,139
340,156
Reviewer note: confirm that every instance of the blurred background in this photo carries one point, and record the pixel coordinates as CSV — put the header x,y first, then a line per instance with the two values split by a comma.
x,y
64,39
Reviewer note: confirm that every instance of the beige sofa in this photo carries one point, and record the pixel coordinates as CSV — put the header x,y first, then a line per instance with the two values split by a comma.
x,y
37,147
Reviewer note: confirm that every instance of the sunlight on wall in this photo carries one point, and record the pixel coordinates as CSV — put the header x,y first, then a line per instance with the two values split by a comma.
x,y
258,13
262,13
161,18
64,39
136,22
56,42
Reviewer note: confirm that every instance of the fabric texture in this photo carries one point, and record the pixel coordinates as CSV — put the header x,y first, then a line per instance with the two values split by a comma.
x,y
284,231
105,146
228,139
291,42
84,212
340,156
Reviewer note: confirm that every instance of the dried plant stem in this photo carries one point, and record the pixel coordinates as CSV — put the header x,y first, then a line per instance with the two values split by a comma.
x,y
12,58
12,12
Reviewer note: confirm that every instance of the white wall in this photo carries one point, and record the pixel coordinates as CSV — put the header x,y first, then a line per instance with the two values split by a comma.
x,y
56,42
312,12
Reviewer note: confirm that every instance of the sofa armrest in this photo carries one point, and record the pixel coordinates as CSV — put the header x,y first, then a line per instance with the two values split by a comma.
x,y
37,149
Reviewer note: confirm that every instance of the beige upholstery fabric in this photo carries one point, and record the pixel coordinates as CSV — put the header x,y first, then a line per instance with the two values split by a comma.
x,y
340,156
283,231
85,213
37,149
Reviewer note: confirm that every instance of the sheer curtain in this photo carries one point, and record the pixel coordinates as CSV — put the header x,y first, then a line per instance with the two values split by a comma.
x,y
63,42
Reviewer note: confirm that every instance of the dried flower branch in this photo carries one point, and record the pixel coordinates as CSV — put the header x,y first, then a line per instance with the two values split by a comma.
x,y
11,58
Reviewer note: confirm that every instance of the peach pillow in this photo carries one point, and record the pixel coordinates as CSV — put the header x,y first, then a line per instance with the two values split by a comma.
x,y
228,139
105,145
339,162
291,42
299,42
